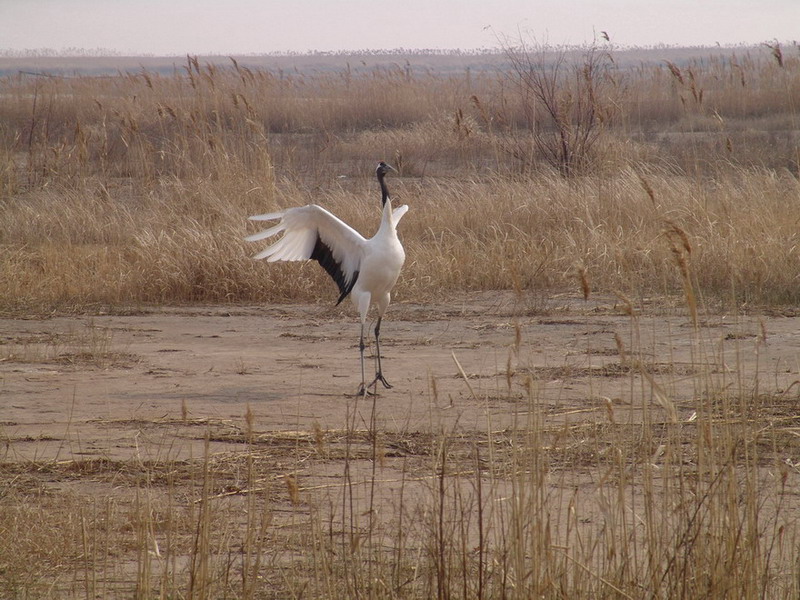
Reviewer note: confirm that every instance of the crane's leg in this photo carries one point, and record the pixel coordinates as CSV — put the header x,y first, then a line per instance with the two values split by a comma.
x,y
362,391
362,301
378,371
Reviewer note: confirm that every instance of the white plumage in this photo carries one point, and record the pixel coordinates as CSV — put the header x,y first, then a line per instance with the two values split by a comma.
x,y
365,269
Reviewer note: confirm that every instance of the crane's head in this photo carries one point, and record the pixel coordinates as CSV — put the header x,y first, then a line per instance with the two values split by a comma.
x,y
383,169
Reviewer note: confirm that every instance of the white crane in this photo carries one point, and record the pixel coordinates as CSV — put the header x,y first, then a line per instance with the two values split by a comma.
x,y
365,269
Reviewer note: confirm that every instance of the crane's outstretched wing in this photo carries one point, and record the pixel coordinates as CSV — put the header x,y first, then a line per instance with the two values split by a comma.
x,y
313,233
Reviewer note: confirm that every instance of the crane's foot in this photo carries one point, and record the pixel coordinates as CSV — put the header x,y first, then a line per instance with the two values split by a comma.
x,y
363,390
379,377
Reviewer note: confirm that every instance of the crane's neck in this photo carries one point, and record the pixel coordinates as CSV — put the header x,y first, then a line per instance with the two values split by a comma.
x,y
384,189
388,223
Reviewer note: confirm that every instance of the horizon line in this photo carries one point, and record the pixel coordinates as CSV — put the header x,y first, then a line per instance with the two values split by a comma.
x,y
74,52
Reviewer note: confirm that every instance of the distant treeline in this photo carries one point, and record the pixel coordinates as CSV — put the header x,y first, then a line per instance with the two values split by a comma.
x,y
72,62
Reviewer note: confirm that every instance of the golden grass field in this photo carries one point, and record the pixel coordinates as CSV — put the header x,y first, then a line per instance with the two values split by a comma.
x,y
596,372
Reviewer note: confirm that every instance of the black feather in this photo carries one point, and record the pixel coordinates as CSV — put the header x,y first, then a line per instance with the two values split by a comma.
x,y
323,255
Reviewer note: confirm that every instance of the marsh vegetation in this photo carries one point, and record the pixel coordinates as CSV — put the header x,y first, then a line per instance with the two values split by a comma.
x,y
660,463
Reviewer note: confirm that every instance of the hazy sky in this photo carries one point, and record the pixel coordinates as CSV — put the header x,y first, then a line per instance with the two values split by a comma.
x,y
257,26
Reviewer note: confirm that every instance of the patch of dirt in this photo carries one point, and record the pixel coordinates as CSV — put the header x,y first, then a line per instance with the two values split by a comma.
x,y
182,372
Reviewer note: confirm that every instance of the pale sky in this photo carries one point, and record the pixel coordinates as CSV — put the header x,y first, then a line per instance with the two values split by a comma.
x,y
177,27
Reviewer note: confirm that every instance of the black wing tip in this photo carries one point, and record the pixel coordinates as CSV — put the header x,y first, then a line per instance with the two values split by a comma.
x,y
345,293
324,256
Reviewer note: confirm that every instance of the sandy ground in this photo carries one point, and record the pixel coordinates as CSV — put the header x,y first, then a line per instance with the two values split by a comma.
x,y
91,408
106,386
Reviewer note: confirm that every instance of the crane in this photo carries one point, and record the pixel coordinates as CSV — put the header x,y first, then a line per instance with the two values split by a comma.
x,y
364,269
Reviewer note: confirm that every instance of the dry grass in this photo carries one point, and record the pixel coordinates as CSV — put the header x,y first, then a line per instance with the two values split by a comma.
x,y
135,189
182,243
